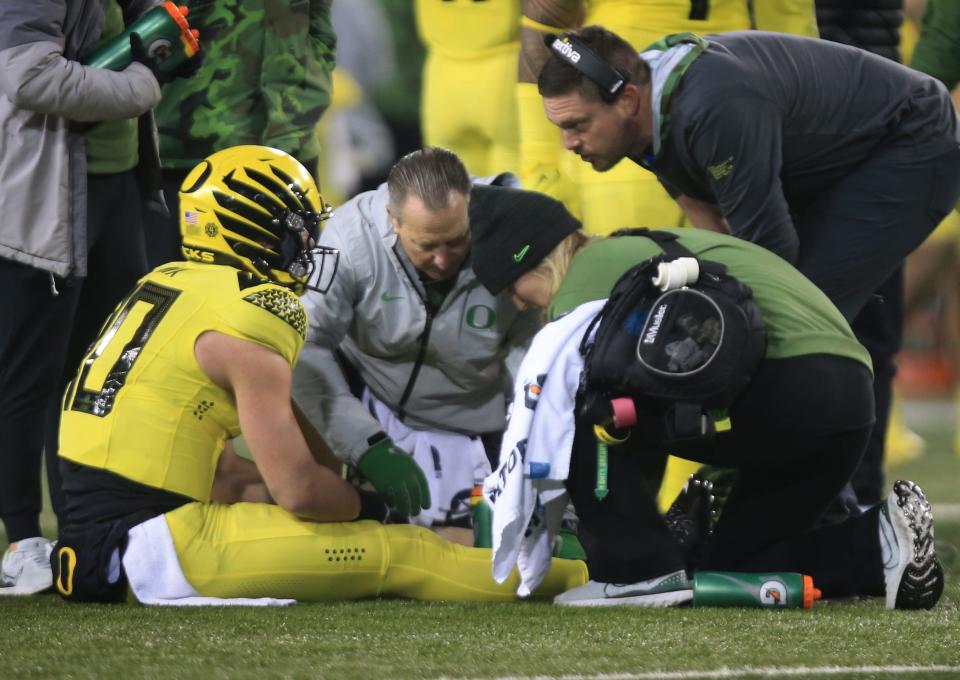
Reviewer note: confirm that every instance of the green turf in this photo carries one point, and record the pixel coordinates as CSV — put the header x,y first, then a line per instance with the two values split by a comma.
x,y
44,637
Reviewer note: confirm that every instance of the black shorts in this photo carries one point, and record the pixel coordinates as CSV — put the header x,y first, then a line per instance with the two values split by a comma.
x,y
87,561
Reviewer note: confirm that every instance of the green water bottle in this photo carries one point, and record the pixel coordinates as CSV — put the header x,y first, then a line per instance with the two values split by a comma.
x,y
166,36
753,589
481,519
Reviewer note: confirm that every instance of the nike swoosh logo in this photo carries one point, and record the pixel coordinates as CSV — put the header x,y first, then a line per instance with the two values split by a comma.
x,y
386,297
522,253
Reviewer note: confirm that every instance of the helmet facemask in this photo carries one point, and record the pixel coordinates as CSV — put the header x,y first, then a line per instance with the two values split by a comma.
x,y
301,257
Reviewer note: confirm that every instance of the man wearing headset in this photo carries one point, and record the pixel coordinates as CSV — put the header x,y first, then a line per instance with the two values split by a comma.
x,y
837,160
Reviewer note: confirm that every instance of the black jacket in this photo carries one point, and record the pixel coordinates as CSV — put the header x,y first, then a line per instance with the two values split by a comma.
x,y
872,25
762,124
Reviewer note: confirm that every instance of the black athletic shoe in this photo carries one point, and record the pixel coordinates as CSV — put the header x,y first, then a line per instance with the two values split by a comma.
x,y
690,518
913,575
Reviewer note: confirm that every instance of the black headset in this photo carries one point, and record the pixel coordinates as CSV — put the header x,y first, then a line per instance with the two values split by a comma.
x,y
572,50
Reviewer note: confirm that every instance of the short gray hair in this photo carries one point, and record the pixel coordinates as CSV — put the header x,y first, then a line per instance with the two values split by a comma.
x,y
430,174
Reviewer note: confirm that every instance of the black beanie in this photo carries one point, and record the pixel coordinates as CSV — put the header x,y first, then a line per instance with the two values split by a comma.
x,y
512,231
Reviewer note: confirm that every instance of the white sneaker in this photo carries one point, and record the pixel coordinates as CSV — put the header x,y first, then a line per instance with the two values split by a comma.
x,y
26,567
911,570
668,590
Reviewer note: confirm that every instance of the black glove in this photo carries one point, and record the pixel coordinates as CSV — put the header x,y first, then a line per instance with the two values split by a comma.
x,y
186,69
372,506
395,475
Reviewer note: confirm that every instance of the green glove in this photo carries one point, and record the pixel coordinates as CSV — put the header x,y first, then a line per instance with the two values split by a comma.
x,y
396,476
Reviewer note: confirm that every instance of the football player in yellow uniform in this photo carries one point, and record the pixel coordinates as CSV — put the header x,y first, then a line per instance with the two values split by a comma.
x,y
199,352
468,100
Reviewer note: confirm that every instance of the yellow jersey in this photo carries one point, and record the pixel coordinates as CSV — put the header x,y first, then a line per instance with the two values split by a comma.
x,y
643,22
140,406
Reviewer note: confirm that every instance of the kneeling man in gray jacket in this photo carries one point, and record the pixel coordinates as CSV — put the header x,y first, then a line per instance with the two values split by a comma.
x,y
405,370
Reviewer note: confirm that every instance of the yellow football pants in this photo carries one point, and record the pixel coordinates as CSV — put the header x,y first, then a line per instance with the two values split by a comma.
x,y
469,106
624,197
260,550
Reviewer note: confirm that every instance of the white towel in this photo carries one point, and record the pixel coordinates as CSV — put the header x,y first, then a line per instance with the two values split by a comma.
x,y
453,463
154,573
526,492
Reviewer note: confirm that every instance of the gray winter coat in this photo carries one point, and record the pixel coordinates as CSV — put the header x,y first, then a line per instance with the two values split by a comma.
x,y
45,93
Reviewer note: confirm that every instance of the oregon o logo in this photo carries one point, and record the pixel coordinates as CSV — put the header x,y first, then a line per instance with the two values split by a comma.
x,y
773,593
66,567
480,317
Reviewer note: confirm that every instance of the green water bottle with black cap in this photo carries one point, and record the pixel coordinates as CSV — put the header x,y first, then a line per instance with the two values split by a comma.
x,y
167,38
776,590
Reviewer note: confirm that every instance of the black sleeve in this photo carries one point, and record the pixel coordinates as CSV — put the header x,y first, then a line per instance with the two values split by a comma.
x,y
670,188
738,147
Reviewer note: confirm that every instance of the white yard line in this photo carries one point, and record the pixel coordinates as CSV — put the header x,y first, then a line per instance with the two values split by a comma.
x,y
746,672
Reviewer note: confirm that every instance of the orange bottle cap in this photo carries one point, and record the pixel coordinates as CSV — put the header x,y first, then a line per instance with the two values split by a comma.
x,y
189,38
810,594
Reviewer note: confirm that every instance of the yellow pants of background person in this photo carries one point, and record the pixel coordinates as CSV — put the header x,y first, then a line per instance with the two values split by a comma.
x,y
626,196
469,106
798,17
260,550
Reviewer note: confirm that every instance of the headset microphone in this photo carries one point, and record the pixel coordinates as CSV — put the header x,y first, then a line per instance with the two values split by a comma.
x,y
573,51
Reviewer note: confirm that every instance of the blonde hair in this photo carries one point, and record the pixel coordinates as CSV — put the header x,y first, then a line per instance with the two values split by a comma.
x,y
553,268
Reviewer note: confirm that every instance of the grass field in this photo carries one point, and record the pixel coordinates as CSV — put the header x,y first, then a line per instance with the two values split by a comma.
x,y
44,637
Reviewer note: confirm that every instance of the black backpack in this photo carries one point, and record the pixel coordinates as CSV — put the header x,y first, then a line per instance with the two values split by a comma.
x,y
680,349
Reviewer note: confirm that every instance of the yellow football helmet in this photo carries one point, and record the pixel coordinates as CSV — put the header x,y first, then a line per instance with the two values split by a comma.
x,y
253,208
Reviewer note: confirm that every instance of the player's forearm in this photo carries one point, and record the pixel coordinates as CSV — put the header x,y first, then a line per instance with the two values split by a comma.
x,y
318,494
293,477
310,491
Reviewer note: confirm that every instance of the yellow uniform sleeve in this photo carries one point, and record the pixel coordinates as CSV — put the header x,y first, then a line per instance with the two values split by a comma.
x,y
268,315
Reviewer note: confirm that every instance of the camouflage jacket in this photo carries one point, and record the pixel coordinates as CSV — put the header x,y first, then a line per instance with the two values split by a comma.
x,y
265,79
